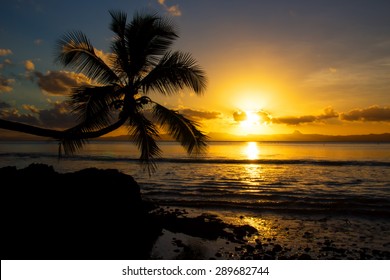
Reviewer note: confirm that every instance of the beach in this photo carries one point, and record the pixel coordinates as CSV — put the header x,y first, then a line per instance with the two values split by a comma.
x,y
260,201
275,237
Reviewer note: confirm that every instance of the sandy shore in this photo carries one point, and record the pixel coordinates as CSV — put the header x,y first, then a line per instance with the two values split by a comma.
x,y
191,234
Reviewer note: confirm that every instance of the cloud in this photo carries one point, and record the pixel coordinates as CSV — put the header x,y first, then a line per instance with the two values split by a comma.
x,y
329,113
370,114
106,57
6,84
31,108
290,120
4,52
239,116
5,63
57,117
63,82
4,105
60,82
173,10
265,117
200,115
15,116
29,65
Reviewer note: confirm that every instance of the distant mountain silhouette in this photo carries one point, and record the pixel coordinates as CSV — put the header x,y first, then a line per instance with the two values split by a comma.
x,y
214,136
300,137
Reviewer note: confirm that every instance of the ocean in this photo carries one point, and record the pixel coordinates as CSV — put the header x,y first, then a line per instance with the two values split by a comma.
x,y
344,179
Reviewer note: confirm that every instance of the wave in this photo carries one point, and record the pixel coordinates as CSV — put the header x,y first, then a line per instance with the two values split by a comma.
x,y
201,160
279,161
346,207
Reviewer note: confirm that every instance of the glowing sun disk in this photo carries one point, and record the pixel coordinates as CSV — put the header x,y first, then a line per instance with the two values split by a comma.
x,y
251,119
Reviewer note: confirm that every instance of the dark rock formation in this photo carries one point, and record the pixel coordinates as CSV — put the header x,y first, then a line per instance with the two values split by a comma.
x,y
88,214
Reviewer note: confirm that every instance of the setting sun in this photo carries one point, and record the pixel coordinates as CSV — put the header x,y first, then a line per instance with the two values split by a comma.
x,y
252,118
251,122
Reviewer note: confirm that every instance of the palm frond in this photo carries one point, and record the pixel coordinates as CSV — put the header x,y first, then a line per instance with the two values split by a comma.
x,y
174,72
118,25
148,37
182,129
94,106
72,143
144,134
75,51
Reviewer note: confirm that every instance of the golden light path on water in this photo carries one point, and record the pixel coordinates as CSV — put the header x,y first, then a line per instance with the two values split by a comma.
x,y
252,151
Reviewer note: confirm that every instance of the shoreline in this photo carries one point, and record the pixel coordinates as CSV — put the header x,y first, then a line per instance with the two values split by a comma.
x,y
273,236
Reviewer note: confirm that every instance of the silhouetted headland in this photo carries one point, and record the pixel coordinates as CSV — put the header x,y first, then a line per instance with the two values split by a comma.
x,y
88,214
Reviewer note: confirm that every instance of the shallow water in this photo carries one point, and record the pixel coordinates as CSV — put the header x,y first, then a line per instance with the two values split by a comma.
x,y
302,178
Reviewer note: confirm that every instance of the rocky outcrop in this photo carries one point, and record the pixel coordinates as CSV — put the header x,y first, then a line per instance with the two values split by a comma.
x,y
88,214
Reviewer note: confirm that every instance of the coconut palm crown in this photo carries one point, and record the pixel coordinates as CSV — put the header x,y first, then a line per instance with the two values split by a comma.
x,y
141,63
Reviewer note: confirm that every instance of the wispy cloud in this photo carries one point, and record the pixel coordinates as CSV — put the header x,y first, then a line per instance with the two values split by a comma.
x,y
5,63
31,108
4,52
6,84
173,10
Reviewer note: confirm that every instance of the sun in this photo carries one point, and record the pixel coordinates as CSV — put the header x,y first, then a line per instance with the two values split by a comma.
x,y
252,122
251,119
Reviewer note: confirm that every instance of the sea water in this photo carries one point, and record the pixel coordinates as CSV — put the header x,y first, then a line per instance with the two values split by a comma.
x,y
351,179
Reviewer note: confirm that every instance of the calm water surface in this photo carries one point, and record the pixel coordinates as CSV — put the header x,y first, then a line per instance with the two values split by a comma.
x,y
308,178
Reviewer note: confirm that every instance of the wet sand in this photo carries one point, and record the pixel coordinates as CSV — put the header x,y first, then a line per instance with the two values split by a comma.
x,y
192,234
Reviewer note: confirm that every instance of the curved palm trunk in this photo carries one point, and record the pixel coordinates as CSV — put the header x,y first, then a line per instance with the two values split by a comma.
x,y
30,129
59,134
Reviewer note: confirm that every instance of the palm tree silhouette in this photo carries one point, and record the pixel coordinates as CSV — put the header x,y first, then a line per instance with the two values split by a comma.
x,y
141,63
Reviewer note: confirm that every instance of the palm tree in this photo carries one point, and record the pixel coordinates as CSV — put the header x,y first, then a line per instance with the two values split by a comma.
x,y
141,63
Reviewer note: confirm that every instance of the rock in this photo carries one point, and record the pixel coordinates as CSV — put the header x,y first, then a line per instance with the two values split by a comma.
x,y
259,246
307,249
88,214
307,235
277,248
304,257
249,249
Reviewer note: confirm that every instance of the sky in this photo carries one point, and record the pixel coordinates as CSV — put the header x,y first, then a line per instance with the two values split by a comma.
x,y
273,66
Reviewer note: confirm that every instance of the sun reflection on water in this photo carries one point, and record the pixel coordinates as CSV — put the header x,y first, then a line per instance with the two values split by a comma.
x,y
252,150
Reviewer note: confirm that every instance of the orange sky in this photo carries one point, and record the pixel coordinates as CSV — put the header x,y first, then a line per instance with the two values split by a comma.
x,y
272,66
